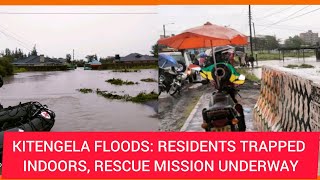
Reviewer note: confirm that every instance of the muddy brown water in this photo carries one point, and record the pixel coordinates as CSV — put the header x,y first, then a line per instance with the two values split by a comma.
x,y
84,112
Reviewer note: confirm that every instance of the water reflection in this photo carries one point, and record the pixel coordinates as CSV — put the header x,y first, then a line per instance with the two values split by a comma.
x,y
84,112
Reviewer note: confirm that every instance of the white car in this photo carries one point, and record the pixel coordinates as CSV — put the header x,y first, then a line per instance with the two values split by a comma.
x,y
185,65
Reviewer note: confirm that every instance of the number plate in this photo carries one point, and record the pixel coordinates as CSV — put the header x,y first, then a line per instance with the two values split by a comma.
x,y
223,129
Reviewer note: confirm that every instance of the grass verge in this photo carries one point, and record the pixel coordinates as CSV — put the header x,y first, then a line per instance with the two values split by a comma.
x,y
249,76
302,66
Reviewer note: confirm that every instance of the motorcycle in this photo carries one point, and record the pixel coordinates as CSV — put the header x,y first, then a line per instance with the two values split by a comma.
x,y
224,113
24,117
171,75
170,81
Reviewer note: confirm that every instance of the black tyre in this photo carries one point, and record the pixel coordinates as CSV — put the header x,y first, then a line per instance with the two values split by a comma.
x,y
181,67
173,90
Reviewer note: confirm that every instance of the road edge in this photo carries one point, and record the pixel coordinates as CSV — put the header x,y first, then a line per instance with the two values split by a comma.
x,y
191,115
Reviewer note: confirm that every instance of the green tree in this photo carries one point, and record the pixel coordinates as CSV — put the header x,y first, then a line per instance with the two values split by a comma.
x,y
34,51
266,43
293,42
68,58
155,50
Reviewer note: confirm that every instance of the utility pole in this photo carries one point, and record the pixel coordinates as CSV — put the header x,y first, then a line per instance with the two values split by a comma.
x,y
72,54
255,42
250,30
164,31
254,35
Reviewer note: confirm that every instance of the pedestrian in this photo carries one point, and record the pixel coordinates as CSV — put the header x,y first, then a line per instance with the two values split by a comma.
x,y
251,60
246,60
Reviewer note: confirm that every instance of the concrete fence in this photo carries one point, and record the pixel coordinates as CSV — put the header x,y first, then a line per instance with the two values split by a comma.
x,y
289,101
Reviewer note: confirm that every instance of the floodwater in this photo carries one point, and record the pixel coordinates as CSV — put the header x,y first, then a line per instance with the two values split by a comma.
x,y
310,60
84,112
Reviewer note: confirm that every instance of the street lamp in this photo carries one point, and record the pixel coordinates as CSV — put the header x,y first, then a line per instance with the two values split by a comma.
x,y
164,29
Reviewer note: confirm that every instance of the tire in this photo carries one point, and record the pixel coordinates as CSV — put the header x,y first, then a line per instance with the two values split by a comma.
x,y
242,124
175,90
184,67
190,79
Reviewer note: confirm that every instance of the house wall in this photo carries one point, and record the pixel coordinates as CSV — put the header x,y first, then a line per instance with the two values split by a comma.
x,y
288,101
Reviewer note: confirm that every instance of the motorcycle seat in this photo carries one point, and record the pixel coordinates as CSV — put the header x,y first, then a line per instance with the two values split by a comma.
x,y
221,100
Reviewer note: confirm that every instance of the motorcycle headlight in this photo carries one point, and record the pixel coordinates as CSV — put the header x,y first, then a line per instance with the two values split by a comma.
x,y
161,78
179,77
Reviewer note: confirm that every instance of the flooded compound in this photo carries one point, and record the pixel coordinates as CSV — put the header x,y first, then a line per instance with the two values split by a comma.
x,y
76,111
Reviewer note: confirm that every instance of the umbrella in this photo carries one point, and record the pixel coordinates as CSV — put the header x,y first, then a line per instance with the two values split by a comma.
x,y
165,60
202,55
207,35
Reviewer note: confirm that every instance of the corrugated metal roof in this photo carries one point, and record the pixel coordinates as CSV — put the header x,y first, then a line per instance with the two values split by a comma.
x,y
36,60
138,57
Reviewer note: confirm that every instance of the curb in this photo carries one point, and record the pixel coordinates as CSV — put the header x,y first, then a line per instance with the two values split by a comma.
x,y
193,112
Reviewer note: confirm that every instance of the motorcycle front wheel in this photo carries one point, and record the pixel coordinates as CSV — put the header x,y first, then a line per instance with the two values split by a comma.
x,y
173,90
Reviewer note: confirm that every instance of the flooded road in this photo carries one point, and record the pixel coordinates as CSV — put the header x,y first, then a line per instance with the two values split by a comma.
x,y
280,63
84,112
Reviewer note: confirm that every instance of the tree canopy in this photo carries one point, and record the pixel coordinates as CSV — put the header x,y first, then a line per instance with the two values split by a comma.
x,y
293,42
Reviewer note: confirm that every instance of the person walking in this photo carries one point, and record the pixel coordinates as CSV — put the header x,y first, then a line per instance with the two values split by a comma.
x,y
251,60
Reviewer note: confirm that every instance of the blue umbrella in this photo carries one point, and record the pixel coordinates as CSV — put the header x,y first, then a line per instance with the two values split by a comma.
x,y
202,55
166,61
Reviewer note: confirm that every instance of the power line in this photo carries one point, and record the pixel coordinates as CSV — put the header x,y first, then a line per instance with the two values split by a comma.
x,y
12,37
14,34
17,38
277,12
303,14
286,18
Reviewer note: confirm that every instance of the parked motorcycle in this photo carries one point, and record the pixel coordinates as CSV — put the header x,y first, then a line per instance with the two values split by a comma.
x,y
224,113
170,75
170,81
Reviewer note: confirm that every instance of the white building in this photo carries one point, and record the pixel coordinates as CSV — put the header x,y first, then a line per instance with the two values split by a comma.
x,y
310,37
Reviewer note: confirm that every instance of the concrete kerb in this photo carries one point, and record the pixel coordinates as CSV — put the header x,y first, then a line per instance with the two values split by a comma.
x,y
191,116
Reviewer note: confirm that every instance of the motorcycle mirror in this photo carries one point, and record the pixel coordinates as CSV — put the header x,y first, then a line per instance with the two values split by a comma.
x,y
1,81
242,77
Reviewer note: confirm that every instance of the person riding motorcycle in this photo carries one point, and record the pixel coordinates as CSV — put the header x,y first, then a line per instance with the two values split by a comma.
x,y
225,78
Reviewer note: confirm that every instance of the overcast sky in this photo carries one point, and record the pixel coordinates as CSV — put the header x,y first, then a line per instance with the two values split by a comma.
x,y
56,30
57,34
236,17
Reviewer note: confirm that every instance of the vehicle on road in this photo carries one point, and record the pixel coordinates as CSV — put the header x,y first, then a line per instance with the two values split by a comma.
x,y
224,112
185,65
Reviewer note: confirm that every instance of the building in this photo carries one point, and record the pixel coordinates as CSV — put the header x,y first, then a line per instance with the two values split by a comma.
x,y
137,58
37,61
310,37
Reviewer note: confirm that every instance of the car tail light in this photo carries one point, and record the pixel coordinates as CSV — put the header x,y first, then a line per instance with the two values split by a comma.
x,y
219,123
